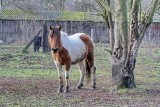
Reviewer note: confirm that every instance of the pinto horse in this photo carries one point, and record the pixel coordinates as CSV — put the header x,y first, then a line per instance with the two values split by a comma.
x,y
68,50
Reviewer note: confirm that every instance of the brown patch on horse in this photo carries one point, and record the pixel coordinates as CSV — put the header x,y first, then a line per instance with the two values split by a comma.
x,y
53,38
62,57
89,59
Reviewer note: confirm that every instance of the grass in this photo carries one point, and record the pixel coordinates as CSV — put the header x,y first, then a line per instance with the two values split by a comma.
x,y
31,80
15,64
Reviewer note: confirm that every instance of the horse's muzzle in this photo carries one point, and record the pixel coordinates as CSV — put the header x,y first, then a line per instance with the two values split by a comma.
x,y
55,50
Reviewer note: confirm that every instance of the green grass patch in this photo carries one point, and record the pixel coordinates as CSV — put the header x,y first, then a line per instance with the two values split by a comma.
x,y
16,64
26,73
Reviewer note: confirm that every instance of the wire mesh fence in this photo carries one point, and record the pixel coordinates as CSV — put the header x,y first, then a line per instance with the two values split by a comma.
x,y
27,9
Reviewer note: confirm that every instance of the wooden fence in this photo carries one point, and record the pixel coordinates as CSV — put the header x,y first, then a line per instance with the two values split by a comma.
x,y
22,31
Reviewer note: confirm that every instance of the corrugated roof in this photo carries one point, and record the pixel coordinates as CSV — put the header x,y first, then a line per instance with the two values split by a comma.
x,y
35,12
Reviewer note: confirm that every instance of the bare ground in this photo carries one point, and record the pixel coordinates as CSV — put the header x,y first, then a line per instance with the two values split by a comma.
x,y
43,92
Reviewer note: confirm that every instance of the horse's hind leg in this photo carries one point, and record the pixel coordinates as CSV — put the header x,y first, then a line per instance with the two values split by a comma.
x,y
93,70
59,68
82,70
90,61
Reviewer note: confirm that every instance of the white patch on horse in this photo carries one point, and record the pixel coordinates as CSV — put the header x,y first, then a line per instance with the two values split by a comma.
x,y
74,45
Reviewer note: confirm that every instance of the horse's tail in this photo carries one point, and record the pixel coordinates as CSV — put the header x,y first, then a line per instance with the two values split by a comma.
x,y
89,59
88,71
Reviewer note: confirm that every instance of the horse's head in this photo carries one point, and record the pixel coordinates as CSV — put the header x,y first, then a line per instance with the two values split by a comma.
x,y
54,38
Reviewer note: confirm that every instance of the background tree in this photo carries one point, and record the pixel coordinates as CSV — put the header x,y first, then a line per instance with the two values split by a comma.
x,y
130,26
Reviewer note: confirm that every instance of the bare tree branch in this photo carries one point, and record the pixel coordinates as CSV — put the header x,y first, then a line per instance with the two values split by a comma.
x,y
157,13
108,51
6,4
149,18
21,8
104,4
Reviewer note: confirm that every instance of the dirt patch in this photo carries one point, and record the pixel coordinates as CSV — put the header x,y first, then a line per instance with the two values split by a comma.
x,y
43,92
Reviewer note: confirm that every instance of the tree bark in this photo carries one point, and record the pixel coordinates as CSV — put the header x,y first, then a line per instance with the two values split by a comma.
x,y
45,38
111,29
119,54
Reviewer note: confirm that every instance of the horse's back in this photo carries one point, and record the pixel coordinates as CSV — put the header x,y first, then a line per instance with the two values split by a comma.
x,y
75,46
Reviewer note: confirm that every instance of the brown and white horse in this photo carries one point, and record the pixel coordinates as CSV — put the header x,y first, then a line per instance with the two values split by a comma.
x,y
67,50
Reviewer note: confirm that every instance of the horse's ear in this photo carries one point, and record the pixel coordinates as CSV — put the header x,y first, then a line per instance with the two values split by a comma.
x,y
60,27
50,27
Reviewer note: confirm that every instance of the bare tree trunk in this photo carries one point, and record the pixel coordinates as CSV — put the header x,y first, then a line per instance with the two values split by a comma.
x,y
133,46
128,73
45,38
119,54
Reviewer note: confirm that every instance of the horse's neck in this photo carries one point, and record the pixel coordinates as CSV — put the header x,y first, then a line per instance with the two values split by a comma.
x,y
63,36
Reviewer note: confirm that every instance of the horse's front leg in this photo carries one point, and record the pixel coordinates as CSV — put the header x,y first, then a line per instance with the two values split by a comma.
x,y
67,78
59,68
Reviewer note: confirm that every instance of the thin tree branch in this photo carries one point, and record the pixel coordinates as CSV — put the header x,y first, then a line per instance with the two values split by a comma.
x,y
157,13
27,11
149,18
93,7
131,4
6,4
103,5
108,51
111,31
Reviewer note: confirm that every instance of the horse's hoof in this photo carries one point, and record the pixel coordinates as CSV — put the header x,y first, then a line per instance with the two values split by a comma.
x,y
60,90
66,89
79,86
93,88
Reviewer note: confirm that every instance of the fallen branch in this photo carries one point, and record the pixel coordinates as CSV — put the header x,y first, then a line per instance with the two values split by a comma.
x,y
28,45
108,51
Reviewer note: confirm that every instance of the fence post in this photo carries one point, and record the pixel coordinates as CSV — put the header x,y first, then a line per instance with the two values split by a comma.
x,y
92,35
65,26
71,28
